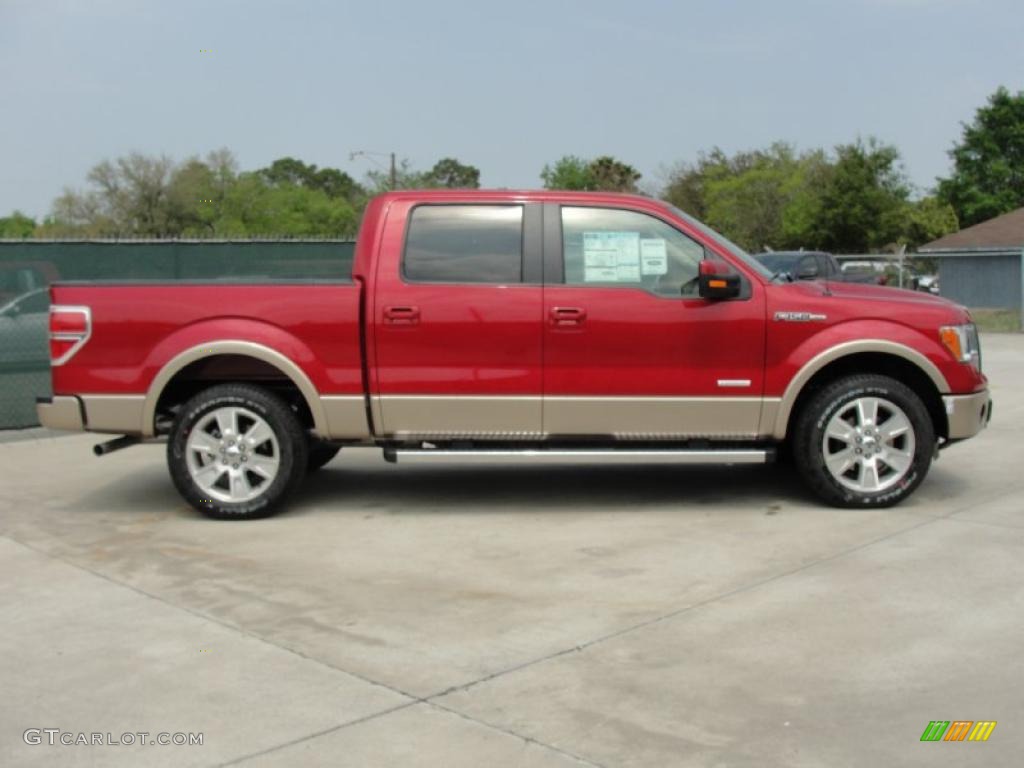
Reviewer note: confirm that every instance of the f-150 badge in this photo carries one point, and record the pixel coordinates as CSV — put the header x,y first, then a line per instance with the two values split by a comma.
x,y
800,317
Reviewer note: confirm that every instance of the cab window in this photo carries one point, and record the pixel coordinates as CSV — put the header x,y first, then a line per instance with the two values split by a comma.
x,y
614,248
464,244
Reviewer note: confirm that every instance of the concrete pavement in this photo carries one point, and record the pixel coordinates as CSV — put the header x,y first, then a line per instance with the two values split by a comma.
x,y
516,616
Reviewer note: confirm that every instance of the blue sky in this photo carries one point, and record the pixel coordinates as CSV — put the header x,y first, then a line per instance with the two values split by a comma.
x,y
506,86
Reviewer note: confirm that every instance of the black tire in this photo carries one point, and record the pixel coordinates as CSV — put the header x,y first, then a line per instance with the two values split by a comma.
x,y
808,446
319,454
291,451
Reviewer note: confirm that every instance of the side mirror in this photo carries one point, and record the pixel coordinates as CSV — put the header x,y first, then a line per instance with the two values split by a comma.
x,y
717,281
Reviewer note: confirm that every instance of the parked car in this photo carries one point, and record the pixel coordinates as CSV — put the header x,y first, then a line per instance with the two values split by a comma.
x,y
20,277
928,283
870,272
24,329
802,265
495,326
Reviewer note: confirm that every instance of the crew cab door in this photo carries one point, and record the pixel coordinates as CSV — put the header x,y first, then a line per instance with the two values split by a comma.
x,y
456,318
630,349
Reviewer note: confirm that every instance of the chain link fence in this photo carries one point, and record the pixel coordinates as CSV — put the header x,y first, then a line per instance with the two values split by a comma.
x,y
27,267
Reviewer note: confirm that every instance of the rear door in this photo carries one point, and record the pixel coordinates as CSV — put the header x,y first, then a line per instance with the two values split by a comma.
x,y
457,321
630,349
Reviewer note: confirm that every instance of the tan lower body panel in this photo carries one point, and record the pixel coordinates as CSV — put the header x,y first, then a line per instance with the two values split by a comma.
x,y
967,414
60,412
346,416
121,414
637,418
654,417
443,416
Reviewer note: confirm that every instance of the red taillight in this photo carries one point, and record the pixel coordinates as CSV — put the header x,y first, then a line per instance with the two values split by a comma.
x,y
70,328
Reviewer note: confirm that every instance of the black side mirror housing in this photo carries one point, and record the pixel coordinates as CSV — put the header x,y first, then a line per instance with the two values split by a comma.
x,y
717,281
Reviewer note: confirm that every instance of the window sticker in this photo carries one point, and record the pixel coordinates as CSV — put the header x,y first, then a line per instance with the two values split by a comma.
x,y
653,257
611,257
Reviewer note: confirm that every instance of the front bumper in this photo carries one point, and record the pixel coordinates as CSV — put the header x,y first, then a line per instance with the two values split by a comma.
x,y
967,414
60,412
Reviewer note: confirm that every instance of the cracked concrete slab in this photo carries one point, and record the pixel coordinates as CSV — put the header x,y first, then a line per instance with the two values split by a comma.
x,y
420,736
84,655
385,585
852,657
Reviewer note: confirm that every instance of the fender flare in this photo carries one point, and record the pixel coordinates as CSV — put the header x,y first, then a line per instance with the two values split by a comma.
x,y
830,355
232,347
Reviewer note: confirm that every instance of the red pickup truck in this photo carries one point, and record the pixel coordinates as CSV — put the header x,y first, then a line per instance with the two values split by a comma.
x,y
493,326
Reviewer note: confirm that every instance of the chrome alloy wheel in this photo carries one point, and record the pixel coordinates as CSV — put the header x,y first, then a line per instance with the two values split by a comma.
x,y
868,445
232,454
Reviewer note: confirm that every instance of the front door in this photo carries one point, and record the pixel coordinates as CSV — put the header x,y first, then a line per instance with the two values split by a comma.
x,y
457,322
630,349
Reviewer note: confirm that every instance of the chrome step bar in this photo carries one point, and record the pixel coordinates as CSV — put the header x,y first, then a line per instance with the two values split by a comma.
x,y
580,456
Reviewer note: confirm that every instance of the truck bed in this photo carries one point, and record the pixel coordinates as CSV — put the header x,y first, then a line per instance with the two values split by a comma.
x,y
137,327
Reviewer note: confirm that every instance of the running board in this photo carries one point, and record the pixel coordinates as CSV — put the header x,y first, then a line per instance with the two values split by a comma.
x,y
556,456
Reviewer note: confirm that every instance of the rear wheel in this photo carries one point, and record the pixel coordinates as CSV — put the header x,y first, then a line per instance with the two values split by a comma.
x,y
236,452
864,441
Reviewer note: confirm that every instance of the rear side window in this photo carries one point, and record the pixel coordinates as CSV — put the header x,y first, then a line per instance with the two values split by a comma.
x,y
464,244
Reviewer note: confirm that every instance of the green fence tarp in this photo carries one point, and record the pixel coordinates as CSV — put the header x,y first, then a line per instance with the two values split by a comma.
x,y
27,267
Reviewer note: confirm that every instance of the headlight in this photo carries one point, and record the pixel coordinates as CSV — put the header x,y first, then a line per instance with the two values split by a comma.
x,y
962,343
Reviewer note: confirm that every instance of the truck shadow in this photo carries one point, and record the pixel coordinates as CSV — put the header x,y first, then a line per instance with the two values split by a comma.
x,y
402,490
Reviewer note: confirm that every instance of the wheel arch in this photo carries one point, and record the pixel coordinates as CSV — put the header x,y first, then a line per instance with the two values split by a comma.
x,y
260,353
865,356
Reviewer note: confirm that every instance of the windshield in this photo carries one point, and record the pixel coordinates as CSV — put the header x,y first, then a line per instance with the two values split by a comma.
x,y
779,262
723,241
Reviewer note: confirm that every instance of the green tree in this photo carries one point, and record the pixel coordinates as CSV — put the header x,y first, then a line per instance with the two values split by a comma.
x,y
611,175
153,197
378,180
449,172
751,202
687,183
128,197
988,163
925,220
758,198
17,225
331,181
863,201
603,173
252,207
568,173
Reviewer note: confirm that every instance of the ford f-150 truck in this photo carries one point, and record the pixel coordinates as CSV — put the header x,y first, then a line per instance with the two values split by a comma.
x,y
492,326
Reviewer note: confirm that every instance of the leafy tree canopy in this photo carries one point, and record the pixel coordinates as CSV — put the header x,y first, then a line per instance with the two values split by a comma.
x,y
856,200
331,181
17,225
141,196
604,173
988,162
449,172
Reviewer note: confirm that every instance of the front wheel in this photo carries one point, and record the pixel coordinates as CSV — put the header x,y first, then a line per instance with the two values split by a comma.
x,y
236,452
863,441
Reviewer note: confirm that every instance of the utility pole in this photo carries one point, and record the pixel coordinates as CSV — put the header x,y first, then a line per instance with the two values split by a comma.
x,y
370,155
